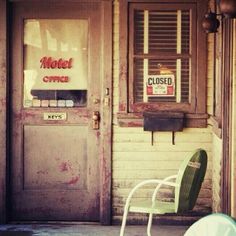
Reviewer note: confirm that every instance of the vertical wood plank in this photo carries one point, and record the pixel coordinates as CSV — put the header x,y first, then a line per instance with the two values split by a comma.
x,y
105,158
201,58
146,31
145,75
178,61
179,30
3,110
233,137
123,51
226,120
145,51
178,80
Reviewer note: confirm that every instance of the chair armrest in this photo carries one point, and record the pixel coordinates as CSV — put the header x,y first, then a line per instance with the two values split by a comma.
x,y
150,181
159,186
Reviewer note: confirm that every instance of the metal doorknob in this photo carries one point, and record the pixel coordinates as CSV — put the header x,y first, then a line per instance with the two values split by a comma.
x,y
96,119
96,116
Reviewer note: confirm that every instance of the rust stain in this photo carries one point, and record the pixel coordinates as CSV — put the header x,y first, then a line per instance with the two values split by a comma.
x,y
122,107
73,180
123,72
104,165
64,166
130,124
3,102
98,134
29,115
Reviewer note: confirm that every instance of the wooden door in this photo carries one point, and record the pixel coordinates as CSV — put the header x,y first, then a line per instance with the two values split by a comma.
x,y
55,90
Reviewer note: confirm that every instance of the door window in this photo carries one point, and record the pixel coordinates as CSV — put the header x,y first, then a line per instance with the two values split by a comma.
x,y
55,62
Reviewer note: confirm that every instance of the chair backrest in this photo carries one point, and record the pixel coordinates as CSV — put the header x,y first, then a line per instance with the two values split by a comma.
x,y
213,225
190,177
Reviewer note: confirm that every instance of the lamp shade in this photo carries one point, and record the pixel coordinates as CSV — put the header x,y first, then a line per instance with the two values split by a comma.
x,y
210,23
228,8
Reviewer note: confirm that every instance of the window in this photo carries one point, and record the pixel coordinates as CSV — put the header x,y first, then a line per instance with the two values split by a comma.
x,y
55,62
163,58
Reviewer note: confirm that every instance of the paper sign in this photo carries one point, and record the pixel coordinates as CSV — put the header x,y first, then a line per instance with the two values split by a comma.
x,y
54,116
160,85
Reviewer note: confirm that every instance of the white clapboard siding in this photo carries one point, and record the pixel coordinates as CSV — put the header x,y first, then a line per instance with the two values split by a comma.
x,y
216,174
164,147
152,156
163,137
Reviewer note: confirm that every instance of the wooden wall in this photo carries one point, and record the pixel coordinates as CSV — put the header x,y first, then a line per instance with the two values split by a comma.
x,y
135,159
3,111
216,141
233,188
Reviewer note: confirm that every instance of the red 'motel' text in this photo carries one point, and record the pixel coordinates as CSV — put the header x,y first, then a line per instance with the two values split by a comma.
x,y
50,63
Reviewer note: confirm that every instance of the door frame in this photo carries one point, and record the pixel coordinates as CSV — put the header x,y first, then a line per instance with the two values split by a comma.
x,y
227,92
233,126
4,110
105,151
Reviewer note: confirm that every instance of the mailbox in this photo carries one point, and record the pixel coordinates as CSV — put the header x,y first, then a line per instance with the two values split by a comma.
x,y
163,121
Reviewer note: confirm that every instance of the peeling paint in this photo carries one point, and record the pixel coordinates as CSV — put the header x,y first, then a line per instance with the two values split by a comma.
x,y
73,180
65,166
98,134
122,107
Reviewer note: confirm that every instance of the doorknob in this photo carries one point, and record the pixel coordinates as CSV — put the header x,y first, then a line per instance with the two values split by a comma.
x,y
96,119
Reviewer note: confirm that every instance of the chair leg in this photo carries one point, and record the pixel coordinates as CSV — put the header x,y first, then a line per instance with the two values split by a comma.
x,y
149,225
122,230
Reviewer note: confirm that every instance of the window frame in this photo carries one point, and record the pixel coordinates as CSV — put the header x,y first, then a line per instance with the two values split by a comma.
x,y
195,112
218,74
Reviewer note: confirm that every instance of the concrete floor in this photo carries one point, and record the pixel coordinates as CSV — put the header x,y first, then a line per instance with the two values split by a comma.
x,y
88,230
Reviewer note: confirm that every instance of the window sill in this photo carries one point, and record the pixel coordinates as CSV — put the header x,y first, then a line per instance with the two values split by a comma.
x,y
136,120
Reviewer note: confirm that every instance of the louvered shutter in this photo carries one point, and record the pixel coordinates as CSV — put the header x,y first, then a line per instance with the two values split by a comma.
x,y
162,40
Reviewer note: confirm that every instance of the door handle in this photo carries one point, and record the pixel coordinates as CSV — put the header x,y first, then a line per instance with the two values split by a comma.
x,y
96,119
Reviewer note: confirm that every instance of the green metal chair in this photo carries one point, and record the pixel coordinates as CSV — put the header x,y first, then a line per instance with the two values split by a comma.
x,y
213,225
187,186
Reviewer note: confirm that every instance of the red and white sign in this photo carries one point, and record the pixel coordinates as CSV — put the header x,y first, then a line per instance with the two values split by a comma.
x,y
50,63
160,85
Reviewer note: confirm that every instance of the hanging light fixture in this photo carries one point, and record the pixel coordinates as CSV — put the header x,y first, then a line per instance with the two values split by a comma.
x,y
228,8
210,22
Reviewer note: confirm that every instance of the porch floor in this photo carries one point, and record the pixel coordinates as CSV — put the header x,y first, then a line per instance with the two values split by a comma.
x,y
88,230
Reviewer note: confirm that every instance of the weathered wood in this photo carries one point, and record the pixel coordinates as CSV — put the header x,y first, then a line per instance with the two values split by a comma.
x,y
136,119
198,96
99,14
201,67
3,109
106,139
233,135
123,53
226,114
163,121
216,174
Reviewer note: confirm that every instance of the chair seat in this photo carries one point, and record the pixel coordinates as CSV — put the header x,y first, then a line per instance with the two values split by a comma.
x,y
160,207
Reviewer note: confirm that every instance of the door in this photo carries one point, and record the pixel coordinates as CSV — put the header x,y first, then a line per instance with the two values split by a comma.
x,y
55,95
